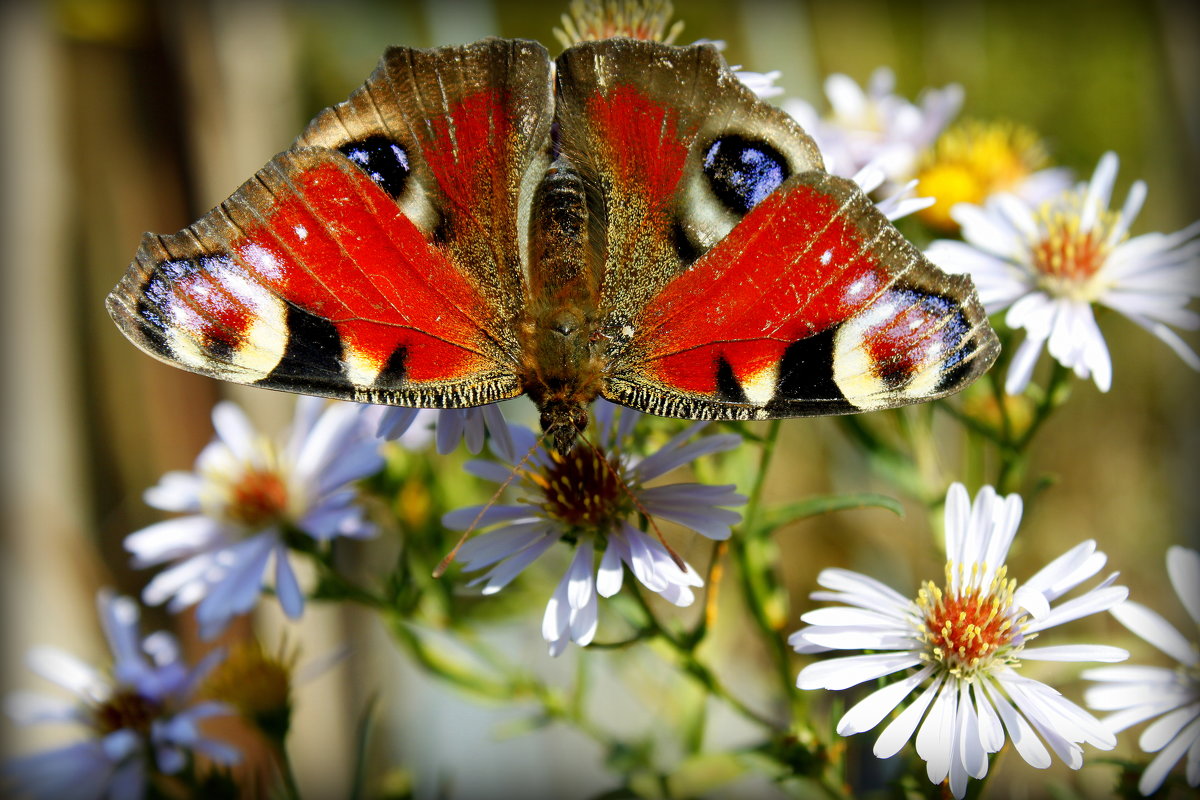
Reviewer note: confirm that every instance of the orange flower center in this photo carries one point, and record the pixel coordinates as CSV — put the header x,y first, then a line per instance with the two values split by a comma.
x,y
967,629
258,498
584,489
1066,257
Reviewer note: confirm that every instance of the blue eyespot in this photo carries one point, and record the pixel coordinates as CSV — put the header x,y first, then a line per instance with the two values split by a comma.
x,y
743,172
384,161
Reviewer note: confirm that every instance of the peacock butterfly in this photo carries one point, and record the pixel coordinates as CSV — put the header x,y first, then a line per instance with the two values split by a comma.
x,y
627,221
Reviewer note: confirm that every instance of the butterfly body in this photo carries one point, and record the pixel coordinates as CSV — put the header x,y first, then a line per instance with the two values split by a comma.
x,y
627,221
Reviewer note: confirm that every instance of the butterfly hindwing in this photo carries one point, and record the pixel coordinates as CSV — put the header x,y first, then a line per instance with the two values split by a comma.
x,y
813,304
379,259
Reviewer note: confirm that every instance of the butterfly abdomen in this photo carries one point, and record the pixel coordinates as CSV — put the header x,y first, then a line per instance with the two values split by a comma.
x,y
563,354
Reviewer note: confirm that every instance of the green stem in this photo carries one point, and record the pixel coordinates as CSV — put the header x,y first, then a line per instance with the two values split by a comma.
x,y
291,790
752,575
1012,459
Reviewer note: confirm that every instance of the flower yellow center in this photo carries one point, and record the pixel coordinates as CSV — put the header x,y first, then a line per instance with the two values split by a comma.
x,y
257,684
126,710
584,489
968,629
972,160
1067,258
258,498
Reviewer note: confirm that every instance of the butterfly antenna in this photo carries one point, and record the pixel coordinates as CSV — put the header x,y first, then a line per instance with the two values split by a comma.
x,y
679,562
445,562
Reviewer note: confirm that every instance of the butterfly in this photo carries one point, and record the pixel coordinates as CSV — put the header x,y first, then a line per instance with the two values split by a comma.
x,y
626,221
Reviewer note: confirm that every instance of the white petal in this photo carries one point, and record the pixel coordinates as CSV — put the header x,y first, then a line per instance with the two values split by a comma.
x,y
558,612
291,599
1163,730
1157,631
900,730
673,455
1156,772
235,430
842,673
870,711
1067,571
1183,567
991,732
1019,730
175,491
871,590
485,516
936,738
1093,602
173,539
67,671
1020,369
611,573
957,520
504,572
27,708
1075,652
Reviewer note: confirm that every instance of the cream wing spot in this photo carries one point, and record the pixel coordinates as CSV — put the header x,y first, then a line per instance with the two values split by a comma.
x,y
361,369
759,387
853,367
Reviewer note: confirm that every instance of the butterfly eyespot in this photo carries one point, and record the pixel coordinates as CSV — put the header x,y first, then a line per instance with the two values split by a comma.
x,y
384,161
743,172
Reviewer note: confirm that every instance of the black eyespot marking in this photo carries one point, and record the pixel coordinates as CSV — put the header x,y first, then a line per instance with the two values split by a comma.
x,y
742,172
395,371
958,367
806,375
728,387
687,250
382,159
313,355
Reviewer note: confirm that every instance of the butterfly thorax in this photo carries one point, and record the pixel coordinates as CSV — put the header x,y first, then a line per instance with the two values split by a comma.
x,y
563,352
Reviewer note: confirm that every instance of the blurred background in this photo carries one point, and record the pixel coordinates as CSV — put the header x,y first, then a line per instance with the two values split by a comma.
x,y
125,116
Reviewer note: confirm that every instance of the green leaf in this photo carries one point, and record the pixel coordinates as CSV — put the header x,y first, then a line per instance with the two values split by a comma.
x,y
777,516
362,733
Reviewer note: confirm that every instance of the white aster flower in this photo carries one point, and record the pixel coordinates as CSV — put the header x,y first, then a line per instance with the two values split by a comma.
x,y
960,647
875,125
247,500
586,498
141,715
1050,265
1137,693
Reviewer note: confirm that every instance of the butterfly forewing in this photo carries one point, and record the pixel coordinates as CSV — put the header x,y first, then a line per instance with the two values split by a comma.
x,y
378,260
639,120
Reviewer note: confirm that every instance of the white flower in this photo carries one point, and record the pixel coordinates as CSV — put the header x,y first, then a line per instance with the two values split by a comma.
x,y
247,498
414,427
141,714
587,497
1049,266
960,646
876,126
1136,693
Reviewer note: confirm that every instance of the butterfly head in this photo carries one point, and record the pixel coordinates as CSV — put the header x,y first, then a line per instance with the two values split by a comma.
x,y
563,423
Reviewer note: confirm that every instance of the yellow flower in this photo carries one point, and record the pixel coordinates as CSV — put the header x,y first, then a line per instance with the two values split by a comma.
x,y
973,160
